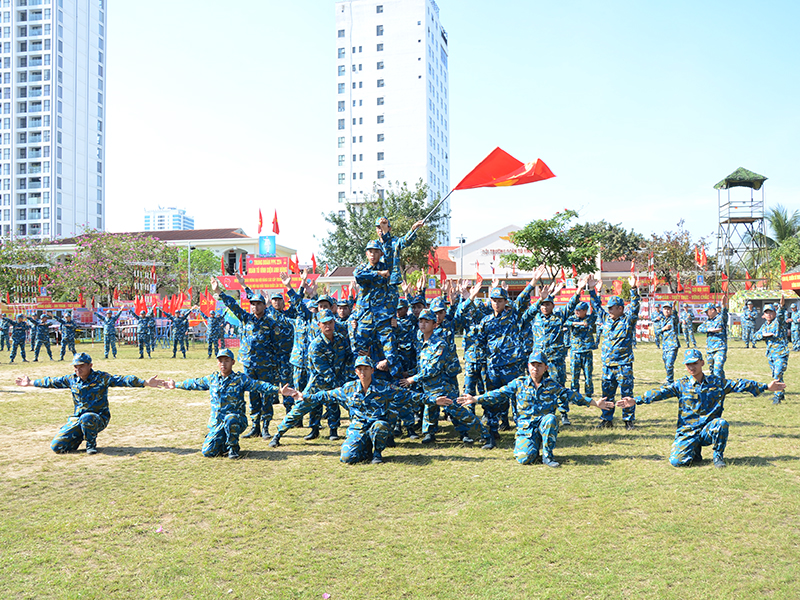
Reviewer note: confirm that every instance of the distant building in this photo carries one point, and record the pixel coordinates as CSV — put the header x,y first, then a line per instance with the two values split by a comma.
x,y
392,100
167,219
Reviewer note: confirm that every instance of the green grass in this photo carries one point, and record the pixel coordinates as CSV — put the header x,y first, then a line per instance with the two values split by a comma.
x,y
617,521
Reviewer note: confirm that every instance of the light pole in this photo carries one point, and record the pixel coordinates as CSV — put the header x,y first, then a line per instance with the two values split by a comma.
x,y
461,241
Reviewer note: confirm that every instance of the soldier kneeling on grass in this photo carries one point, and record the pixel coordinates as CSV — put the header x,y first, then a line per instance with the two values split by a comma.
x,y
700,405
537,397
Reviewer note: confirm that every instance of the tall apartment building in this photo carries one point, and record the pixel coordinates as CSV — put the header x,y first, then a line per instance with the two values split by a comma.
x,y
161,219
391,99
52,145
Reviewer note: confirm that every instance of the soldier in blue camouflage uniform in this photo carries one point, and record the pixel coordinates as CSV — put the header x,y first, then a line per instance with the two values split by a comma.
x,y
749,316
474,353
618,330
19,329
376,307
68,328
41,331
284,340
228,411
793,318
581,326
435,368
406,337
214,332
716,330
109,322
256,352
656,321
90,396
143,332
391,247
548,325
668,326
700,405
180,326
304,326
688,327
773,332
537,396
5,339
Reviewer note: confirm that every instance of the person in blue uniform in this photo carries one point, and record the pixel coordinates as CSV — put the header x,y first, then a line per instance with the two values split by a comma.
x,y
618,330
68,328
716,330
41,331
143,332
180,327
749,316
5,338
793,320
392,248
700,404
90,397
773,332
109,322
214,332
284,340
582,343
687,323
537,397
19,330
668,327
656,320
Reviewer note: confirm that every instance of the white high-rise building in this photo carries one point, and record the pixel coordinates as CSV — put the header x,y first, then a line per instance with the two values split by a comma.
x,y
170,218
52,151
391,99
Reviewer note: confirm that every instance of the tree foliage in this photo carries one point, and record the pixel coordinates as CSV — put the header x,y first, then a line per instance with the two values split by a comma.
x,y
554,244
616,243
673,252
22,262
782,224
345,243
203,267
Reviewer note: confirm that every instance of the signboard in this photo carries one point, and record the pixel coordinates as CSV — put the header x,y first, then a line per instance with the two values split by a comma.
x,y
264,274
790,281
266,246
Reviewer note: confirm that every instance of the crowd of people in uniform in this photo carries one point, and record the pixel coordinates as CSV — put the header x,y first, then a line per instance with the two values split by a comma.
x,y
391,362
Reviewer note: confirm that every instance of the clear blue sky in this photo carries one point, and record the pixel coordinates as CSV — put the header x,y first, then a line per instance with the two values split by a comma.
x,y
639,108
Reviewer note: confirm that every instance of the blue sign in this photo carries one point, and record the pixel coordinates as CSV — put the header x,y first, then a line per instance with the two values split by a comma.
x,y
266,245
701,280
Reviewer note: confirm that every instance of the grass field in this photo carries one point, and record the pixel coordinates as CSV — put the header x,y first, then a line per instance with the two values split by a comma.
x,y
149,517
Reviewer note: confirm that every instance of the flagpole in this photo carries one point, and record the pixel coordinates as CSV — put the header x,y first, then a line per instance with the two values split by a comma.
x,y
437,206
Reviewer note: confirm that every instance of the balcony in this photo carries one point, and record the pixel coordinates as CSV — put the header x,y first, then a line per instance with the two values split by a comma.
x,y
34,170
34,93
35,185
35,62
35,77
34,138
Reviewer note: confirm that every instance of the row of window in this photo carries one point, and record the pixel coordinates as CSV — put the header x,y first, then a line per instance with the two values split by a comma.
x,y
342,71
359,157
340,52
359,121
360,138
341,87
381,175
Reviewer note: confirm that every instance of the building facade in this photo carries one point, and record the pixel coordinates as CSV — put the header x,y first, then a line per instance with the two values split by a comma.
x,y
52,153
170,218
392,100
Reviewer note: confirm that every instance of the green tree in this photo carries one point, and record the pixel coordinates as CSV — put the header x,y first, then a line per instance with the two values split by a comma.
x,y
554,244
673,252
344,244
782,224
616,243
23,262
203,267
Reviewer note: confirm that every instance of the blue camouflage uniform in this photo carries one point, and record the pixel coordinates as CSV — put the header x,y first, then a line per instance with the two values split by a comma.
x,y
391,247
375,307
794,317
537,426
214,332
284,340
180,326
109,323
41,331
228,412
68,328
656,321
669,343
406,336
5,339
143,332
716,341
19,330
700,407
548,336
616,351
581,345
774,335
91,414
688,327
304,326
749,316
474,353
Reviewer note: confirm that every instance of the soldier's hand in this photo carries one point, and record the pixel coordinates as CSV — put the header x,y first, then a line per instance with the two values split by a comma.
x,y
286,280
407,382
632,281
382,365
774,386
216,286
384,274
466,399
287,391
154,382
443,401
495,282
417,225
240,279
602,404
23,381
168,384
626,402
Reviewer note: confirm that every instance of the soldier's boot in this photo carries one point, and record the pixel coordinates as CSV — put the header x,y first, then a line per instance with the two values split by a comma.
x,y
412,434
390,443
314,434
565,422
489,443
233,453
428,438
275,441
265,430
504,424
334,435
719,462
376,458
255,430
547,460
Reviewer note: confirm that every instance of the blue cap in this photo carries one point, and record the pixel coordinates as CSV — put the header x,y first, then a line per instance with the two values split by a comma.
x,y
498,292
438,304
769,307
81,359
549,299
582,306
258,298
325,298
709,306
276,296
402,303
310,303
428,315
374,245
225,352
537,356
748,302
794,305
364,361
418,299
615,301
324,315
342,302
692,355
378,221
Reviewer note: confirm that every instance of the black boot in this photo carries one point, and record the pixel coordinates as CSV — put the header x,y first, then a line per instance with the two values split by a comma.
x,y
334,435
255,430
412,434
265,430
313,435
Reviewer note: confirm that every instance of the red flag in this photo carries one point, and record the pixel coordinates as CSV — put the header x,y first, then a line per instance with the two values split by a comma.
x,y
502,169
442,274
165,304
326,269
275,228
153,274
478,279
783,266
313,263
616,285
260,221
433,261
80,298
190,294
8,297
703,257
680,287
335,295
116,294
562,277
206,293
633,268
724,283
747,284
345,291
574,272
222,264
39,283
697,256
353,292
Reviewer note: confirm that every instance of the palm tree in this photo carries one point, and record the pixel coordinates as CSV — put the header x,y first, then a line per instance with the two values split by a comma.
x,y
783,225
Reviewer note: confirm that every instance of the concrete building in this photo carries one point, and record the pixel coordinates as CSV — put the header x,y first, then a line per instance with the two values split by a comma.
x,y
169,218
392,100
53,124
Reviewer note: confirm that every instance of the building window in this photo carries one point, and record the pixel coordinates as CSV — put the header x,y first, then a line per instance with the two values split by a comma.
x,y
341,105
380,101
341,196
361,175
341,123
360,138
341,33
380,64
380,137
354,175
341,160
381,175
379,30
379,8
354,122
380,155
360,120
380,118
341,52
354,158
341,70
380,47
341,142
341,177
341,214
380,82
341,88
